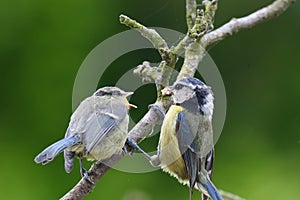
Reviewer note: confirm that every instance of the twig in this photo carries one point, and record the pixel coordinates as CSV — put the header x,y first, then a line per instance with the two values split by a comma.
x,y
229,196
271,11
157,41
166,66
195,50
146,72
160,44
191,6
180,48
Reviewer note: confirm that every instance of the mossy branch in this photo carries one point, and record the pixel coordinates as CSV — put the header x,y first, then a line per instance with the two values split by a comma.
x,y
191,6
169,58
194,44
157,41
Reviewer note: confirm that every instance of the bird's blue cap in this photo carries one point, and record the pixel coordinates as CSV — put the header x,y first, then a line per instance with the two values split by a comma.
x,y
193,81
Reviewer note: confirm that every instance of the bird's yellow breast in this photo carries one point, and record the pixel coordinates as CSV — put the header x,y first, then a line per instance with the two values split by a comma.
x,y
170,156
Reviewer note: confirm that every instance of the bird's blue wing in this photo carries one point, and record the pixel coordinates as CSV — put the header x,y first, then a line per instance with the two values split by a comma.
x,y
193,160
101,125
187,149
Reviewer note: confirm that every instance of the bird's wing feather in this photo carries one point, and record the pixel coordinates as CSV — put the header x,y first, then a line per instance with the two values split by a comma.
x,y
187,148
107,117
209,162
190,152
105,123
96,117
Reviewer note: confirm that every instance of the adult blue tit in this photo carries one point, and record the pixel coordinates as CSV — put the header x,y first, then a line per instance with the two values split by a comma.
x,y
97,129
186,149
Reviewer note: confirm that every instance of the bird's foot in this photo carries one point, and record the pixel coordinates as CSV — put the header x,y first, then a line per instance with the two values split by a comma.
x,y
155,161
129,147
134,146
84,174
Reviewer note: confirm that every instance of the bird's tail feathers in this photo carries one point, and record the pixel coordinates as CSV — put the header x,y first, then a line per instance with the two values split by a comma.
x,y
53,150
211,189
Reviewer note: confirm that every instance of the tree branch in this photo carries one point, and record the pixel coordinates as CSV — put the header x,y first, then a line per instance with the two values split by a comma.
x,y
191,6
271,11
193,56
157,41
194,51
147,72
229,196
198,48
160,44
194,48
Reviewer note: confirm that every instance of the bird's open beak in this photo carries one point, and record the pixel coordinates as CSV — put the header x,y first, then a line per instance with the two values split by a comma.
x,y
167,91
127,94
129,105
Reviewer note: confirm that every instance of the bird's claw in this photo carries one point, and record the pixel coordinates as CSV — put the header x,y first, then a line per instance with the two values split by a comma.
x,y
154,161
129,147
84,174
158,110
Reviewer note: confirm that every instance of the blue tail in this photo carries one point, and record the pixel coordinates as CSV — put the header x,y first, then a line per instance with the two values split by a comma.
x,y
211,190
53,150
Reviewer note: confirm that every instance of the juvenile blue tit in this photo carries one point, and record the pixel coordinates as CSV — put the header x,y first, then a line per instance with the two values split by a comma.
x,y
186,149
97,129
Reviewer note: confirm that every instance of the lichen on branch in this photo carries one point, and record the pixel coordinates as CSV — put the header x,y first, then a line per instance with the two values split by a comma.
x,y
157,41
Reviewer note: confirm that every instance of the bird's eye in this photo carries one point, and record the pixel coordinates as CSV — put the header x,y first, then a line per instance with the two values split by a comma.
x,y
103,93
116,93
178,87
100,93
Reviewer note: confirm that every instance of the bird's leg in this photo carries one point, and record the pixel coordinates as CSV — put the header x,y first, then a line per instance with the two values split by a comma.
x,y
135,146
191,193
154,160
84,172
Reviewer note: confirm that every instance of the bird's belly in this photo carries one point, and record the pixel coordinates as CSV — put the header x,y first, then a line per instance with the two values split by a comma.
x,y
172,162
170,156
178,170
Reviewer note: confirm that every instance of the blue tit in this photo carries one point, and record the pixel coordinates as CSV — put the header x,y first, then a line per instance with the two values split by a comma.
x,y
186,149
98,129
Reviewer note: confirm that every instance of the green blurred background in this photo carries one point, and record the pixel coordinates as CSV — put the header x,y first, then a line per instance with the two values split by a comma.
x,y
42,45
